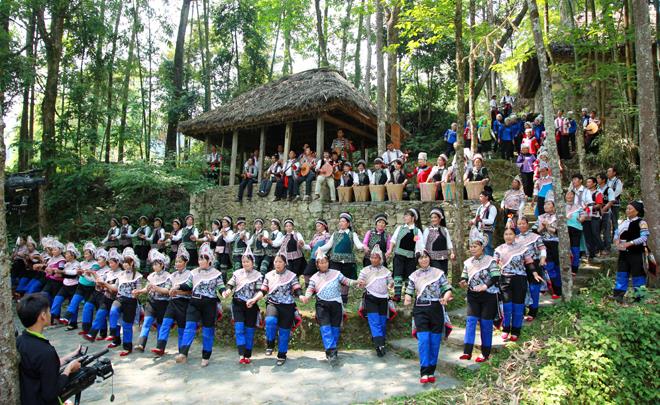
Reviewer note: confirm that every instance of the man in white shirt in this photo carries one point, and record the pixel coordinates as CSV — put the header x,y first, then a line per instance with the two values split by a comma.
x,y
391,154
614,183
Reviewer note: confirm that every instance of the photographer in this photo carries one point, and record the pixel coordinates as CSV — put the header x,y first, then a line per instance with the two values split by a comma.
x,y
41,381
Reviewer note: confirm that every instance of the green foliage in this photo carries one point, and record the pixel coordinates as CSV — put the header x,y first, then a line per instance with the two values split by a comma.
x,y
82,201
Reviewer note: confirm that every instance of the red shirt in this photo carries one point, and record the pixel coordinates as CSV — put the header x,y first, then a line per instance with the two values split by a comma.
x,y
422,174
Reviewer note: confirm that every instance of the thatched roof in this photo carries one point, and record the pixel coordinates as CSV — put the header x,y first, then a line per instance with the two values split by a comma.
x,y
303,95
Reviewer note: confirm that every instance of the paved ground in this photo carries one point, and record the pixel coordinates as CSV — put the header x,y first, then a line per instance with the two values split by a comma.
x,y
306,378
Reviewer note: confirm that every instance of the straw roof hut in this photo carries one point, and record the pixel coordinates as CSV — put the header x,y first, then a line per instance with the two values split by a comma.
x,y
292,111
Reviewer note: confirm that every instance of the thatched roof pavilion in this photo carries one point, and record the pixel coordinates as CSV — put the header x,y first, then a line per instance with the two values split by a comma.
x,y
291,111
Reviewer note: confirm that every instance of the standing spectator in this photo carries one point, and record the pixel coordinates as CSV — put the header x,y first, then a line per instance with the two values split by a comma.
x,y
213,160
507,140
614,183
450,138
594,207
280,153
391,153
572,129
606,213
561,133
485,133
493,109
539,128
591,130
518,130
530,141
507,104
525,163
498,128
341,145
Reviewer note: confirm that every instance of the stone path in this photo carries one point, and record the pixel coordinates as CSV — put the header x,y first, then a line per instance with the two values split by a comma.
x,y
306,378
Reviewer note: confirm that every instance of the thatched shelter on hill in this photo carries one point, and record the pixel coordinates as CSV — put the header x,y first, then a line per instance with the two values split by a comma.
x,y
292,111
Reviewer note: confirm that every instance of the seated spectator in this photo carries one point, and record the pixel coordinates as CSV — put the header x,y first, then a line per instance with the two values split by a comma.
x,y
363,174
248,178
270,176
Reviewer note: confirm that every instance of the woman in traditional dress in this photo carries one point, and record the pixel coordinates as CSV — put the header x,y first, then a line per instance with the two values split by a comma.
x,y
481,277
513,203
70,274
406,240
205,285
376,280
326,284
272,245
535,244
340,248
575,216
177,306
376,236
105,283
516,264
437,240
158,289
547,228
126,303
292,248
431,290
244,284
319,239
282,287
630,239
85,289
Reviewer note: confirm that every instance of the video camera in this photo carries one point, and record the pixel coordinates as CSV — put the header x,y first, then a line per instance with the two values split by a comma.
x,y
87,374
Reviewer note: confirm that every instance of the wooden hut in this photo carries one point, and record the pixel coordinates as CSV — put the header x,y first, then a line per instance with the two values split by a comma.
x,y
292,111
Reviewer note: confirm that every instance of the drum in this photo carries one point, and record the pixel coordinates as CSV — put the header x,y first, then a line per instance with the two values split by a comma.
x,y
377,192
427,191
474,188
449,191
394,192
345,194
361,193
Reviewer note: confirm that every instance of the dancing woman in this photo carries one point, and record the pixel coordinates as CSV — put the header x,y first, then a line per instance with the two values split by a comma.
x,y
516,265
205,285
480,276
244,285
126,302
406,240
282,287
376,236
158,289
438,241
85,288
105,283
177,306
340,249
326,285
431,290
535,244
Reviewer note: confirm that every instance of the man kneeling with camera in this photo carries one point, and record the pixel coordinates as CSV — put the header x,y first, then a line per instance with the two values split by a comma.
x,y
40,376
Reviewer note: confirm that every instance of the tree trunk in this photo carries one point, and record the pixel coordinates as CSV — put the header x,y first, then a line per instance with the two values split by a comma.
x,y
287,62
53,44
367,68
320,31
346,25
648,136
471,68
457,269
97,87
124,91
25,142
392,58
147,142
277,40
177,81
144,154
380,80
207,58
357,79
9,380
110,70
551,146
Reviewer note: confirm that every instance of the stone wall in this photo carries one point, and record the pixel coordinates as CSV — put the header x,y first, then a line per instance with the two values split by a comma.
x,y
218,202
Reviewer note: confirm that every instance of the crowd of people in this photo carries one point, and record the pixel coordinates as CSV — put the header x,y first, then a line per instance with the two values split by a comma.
x,y
179,276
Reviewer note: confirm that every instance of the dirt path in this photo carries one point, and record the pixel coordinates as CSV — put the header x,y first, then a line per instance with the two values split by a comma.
x,y
306,378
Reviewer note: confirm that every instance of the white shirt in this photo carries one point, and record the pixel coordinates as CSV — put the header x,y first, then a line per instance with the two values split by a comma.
x,y
331,242
616,185
356,181
372,176
390,155
425,235
420,244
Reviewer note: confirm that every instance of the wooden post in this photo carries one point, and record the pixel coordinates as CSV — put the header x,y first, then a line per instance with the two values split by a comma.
x,y
234,156
262,154
41,211
208,145
320,137
366,156
222,159
287,140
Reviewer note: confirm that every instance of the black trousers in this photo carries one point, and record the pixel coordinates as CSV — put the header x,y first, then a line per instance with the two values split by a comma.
x,y
329,313
514,288
564,149
482,305
403,266
156,309
177,309
528,183
52,287
245,184
204,310
347,269
506,150
297,266
241,313
440,264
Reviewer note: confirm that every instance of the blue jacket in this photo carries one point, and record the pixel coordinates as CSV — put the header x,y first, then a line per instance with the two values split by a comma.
x,y
450,136
508,133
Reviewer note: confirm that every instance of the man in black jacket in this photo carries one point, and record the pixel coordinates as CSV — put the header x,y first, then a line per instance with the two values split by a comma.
x,y
39,368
